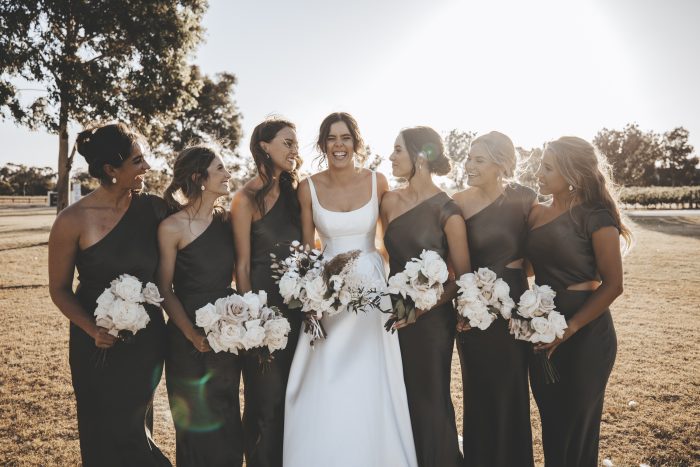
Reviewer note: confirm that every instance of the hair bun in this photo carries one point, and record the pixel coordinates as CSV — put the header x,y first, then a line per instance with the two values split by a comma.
x,y
441,165
86,145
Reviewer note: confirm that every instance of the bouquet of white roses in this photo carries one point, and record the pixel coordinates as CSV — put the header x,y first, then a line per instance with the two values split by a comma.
x,y
418,286
483,297
322,287
539,322
244,322
120,307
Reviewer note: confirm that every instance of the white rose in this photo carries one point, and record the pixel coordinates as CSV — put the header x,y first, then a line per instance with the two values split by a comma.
x,y
253,302
235,308
412,269
558,323
501,290
435,271
479,316
546,303
215,343
506,307
254,334
426,299
289,286
128,288
345,297
276,332
486,277
543,330
151,294
427,256
397,284
545,291
231,337
129,316
316,289
206,316
528,304
105,300
467,281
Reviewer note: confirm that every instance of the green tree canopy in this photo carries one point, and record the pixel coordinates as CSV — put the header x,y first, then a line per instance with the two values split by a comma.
x,y
18,179
96,60
457,144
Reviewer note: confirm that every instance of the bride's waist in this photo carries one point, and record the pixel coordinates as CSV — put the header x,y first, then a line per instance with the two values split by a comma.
x,y
339,245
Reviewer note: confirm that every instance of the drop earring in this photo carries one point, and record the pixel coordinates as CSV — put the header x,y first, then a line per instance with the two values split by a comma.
x,y
571,188
114,179
202,187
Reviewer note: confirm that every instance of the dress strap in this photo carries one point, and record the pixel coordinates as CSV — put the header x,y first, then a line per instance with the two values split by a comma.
x,y
374,185
314,198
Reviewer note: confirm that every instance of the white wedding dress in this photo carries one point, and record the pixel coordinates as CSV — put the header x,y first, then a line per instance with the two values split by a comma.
x,y
346,401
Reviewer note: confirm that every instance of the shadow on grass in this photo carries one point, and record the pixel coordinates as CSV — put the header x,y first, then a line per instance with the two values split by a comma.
x,y
672,225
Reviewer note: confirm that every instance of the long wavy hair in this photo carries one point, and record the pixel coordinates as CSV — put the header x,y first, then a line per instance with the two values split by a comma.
x,y
590,176
288,181
189,171
358,144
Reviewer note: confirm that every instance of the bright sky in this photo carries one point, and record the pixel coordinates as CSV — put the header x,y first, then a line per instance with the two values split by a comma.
x,y
535,70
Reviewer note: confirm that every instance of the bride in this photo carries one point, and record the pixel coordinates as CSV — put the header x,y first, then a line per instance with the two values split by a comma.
x,y
346,400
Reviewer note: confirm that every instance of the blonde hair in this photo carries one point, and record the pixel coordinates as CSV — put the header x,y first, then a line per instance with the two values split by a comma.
x,y
501,150
590,176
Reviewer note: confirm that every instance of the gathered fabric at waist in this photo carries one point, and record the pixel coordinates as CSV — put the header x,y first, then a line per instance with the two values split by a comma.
x,y
337,245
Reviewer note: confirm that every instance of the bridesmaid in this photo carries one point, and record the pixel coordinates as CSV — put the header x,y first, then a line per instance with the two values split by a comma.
x,y
417,217
196,268
111,231
494,365
574,247
266,220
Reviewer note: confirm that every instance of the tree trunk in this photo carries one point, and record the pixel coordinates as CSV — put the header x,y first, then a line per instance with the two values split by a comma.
x,y
64,162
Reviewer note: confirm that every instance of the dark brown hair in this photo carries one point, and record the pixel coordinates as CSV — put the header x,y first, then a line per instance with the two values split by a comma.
x,y
358,144
267,131
426,142
107,144
194,160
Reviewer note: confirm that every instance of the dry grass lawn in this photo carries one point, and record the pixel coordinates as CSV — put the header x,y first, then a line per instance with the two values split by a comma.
x,y
658,361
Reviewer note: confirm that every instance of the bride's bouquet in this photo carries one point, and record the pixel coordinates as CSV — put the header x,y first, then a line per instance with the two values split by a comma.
x,y
539,322
418,286
322,287
120,308
483,297
244,322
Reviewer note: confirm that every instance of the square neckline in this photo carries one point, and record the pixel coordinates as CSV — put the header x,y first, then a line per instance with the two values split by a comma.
x,y
316,201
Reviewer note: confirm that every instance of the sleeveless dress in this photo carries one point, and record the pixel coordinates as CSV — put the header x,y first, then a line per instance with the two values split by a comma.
x,y
115,398
561,253
265,386
203,387
346,400
427,344
494,365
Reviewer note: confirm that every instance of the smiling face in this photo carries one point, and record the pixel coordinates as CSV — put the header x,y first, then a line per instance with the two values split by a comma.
x,y
480,167
283,149
217,177
131,173
549,179
339,146
401,164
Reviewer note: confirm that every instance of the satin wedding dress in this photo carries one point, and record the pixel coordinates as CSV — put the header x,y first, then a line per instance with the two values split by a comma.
x,y
346,401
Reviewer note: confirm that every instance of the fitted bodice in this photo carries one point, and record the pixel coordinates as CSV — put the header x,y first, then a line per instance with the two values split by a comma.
x,y
344,231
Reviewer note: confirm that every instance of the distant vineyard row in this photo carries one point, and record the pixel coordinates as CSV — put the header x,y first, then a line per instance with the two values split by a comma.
x,y
678,197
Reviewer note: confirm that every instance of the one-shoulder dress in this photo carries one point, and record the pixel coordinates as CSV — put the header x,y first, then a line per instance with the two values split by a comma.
x,y
203,388
427,344
494,365
561,253
115,396
265,386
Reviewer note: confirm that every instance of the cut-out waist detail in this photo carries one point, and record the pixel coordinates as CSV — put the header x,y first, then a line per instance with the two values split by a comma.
x,y
584,286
